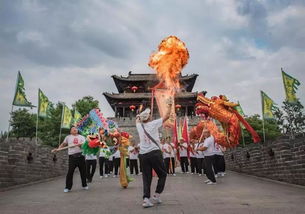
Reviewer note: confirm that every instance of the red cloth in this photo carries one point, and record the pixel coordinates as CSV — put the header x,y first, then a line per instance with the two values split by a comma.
x,y
175,138
94,143
255,136
185,135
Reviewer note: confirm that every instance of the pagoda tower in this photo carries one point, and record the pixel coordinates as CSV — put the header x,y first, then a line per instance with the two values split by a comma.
x,y
135,90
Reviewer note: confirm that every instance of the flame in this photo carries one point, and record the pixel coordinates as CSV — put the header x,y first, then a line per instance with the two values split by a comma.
x,y
169,60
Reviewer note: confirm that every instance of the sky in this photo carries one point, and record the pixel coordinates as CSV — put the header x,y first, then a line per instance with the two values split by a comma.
x,y
71,48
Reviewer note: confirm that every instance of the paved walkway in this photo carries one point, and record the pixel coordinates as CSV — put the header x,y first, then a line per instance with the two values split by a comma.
x,y
234,194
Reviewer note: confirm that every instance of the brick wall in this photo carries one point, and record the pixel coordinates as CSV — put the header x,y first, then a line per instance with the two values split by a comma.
x,y
282,160
17,167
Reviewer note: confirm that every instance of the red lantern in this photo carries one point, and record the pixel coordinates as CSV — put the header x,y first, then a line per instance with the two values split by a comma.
x,y
178,107
132,107
134,88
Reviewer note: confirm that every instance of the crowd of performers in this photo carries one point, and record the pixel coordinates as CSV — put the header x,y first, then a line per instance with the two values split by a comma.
x,y
192,157
202,154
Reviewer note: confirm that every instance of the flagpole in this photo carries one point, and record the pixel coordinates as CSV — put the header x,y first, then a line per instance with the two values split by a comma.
x,y
264,134
263,118
37,118
62,114
9,123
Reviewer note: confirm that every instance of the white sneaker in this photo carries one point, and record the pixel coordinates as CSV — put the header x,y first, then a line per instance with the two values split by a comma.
x,y
211,183
85,188
114,176
66,190
216,176
106,176
174,174
101,176
207,181
147,203
192,173
199,175
222,174
157,199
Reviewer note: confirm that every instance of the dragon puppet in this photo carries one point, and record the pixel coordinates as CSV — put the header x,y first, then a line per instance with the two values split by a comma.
x,y
219,108
105,134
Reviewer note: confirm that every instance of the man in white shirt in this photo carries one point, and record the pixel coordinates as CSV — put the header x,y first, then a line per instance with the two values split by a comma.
x,y
208,151
104,162
116,162
193,158
219,160
76,159
169,157
151,155
200,158
133,158
184,163
90,166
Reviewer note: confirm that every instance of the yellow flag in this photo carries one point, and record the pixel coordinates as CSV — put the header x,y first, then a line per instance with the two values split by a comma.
x,y
66,118
43,104
20,97
291,85
268,106
77,117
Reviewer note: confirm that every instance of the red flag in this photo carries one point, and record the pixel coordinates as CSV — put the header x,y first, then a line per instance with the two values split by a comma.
x,y
175,138
185,135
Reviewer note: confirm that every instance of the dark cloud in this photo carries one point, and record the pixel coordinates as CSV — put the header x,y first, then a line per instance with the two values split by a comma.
x,y
70,49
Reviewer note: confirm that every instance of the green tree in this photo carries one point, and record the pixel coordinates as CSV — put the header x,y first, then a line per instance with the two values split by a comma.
x,y
294,118
23,123
49,127
85,104
272,130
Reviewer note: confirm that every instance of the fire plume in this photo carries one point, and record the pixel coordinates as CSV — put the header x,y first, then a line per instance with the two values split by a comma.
x,y
169,60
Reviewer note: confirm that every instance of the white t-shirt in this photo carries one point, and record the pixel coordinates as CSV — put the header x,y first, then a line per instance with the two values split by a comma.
x,y
132,155
117,154
73,140
111,157
152,128
166,147
217,150
199,154
104,151
193,155
174,151
183,151
90,157
210,144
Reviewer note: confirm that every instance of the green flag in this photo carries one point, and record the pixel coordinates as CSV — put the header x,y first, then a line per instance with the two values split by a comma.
x,y
77,117
268,106
43,104
291,85
20,97
66,118
239,109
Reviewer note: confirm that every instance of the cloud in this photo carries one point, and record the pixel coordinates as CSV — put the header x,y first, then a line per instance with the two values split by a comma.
x,y
70,49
